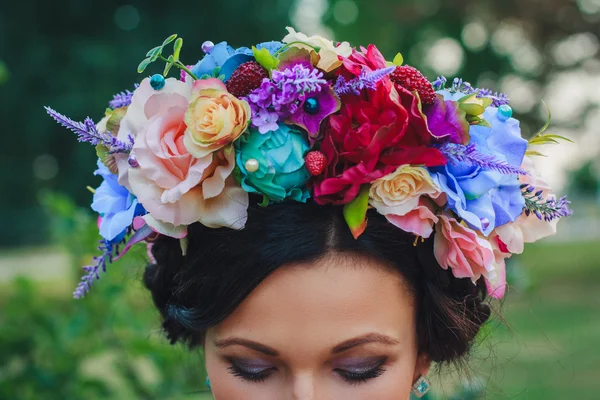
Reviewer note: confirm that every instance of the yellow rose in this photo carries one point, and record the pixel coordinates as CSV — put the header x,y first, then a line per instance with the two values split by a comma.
x,y
214,118
328,52
398,193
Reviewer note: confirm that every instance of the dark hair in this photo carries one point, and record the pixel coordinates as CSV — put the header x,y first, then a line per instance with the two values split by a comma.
x,y
223,266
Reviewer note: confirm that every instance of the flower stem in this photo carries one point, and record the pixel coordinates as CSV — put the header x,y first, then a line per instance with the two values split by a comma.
x,y
179,65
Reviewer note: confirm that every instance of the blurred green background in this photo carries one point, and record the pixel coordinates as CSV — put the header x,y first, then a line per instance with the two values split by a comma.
x,y
73,55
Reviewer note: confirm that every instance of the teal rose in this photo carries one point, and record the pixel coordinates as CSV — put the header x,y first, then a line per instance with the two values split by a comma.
x,y
272,164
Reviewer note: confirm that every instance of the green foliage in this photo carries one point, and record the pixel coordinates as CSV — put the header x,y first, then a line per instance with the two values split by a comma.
x,y
264,58
107,345
171,61
542,138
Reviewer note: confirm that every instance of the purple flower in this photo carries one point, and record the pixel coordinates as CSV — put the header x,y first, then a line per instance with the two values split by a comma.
x,y
316,107
446,121
116,206
298,93
265,120
481,195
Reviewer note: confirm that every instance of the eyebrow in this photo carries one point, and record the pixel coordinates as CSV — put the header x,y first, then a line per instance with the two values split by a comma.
x,y
364,339
340,348
261,348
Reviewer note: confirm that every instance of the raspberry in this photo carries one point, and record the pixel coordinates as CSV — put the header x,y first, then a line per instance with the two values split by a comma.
x,y
246,78
315,162
412,79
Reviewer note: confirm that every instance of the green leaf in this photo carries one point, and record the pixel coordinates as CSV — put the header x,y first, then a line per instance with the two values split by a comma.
x,y
355,212
534,153
156,50
398,60
467,97
472,109
169,39
264,58
143,65
177,48
170,63
215,72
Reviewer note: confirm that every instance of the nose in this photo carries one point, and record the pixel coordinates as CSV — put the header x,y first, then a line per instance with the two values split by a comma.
x,y
304,387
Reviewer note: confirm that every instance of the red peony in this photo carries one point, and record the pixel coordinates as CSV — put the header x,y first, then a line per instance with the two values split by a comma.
x,y
370,137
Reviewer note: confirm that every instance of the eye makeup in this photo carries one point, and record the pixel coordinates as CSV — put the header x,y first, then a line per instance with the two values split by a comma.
x,y
359,370
250,370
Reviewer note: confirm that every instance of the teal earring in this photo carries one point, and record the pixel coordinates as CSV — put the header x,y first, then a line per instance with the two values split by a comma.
x,y
421,387
207,383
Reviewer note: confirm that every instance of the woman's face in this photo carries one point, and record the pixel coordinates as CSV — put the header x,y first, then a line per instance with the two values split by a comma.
x,y
341,328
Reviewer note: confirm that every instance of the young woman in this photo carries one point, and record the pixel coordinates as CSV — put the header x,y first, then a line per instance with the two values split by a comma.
x,y
326,224
293,307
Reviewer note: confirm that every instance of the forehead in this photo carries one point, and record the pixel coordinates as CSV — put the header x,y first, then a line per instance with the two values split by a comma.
x,y
322,303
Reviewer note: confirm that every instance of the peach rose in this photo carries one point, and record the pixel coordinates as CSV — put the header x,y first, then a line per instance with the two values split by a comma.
x,y
460,248
405,198
215,118
176,188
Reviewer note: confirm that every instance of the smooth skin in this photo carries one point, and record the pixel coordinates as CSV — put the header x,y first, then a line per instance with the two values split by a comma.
x,y
341,328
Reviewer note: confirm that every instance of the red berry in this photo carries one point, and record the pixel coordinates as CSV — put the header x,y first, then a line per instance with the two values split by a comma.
x,y
412,79
315,162
246,78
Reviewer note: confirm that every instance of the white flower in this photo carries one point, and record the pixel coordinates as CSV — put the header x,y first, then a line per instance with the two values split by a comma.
x,y
328,52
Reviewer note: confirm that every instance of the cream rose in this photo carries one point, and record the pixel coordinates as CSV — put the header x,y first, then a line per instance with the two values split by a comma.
x,y
398,193
214,119
328,52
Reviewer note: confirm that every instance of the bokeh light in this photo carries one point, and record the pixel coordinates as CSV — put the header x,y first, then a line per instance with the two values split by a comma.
x,y
127,17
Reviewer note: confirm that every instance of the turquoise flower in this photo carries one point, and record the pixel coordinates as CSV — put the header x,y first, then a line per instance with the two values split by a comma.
x,y
272,164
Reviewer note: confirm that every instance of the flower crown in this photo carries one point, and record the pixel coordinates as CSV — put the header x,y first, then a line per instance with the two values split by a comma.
x,y
306,119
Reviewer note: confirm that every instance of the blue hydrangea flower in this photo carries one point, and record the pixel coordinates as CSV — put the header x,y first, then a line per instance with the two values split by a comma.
x,y
116,206
229,59
279,157
486,198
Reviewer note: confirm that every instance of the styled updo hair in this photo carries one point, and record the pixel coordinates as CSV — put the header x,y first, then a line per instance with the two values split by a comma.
x,y
222,267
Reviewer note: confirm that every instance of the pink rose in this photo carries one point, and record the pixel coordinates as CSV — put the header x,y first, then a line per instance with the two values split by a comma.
x,y
496,285
420,220
460,248
176,188
144,104
405,198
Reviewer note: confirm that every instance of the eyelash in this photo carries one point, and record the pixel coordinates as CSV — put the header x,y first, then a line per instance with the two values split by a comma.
x,y
250,376
353,378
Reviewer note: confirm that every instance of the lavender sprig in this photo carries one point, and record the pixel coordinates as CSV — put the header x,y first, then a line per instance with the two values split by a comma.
x,y
87,132
93,270
439,83
546,209
366,80
460,86
303,79
458,153
122,99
